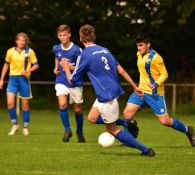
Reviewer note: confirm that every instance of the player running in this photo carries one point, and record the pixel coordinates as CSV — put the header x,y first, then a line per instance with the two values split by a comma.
x,y
21,62
69,50
102,70
153,74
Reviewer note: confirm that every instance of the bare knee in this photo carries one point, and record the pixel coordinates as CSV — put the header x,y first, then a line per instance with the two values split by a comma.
x,y
78,109
91,119
62,105
130,111
127,114
166,120
25,104
10,104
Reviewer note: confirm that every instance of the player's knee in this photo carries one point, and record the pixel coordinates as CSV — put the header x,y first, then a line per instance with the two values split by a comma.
x,y
91,119
165,122
78,110
10,105
127,114
62,105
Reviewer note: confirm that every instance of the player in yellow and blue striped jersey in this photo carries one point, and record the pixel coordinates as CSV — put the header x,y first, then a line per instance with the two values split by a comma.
x,y
21,62
153,74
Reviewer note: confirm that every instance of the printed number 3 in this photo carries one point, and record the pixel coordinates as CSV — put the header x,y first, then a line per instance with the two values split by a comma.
x,y
106,63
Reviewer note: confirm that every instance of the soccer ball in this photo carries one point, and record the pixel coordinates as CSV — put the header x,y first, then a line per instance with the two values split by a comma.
x,y
106,139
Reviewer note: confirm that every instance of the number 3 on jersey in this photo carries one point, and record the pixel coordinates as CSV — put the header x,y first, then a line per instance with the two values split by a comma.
x,y
104,59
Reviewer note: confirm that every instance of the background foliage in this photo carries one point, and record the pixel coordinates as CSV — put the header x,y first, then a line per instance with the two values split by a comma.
x,y
170,22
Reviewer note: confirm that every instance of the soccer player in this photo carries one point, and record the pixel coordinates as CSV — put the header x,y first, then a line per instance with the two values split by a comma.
x,y
102,70
69,50
21,62
153,74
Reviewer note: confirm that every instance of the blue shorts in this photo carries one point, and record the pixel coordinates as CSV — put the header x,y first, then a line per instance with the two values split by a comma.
x,y
155,102
20,85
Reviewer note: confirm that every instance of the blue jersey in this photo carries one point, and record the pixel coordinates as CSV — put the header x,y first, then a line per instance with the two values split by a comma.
x,y
101,68
72,54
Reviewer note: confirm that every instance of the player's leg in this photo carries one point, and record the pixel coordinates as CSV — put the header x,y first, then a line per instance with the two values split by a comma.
x,y
133,105
63,111
76,96
12,89
110,112
179,126
25,115
25,95
79,122
62,92
127,139
128,122
158,105
93,115
12,113
119,122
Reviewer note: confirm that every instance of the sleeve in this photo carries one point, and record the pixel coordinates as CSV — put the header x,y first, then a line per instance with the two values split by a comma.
x,y
32,57
159,64
113,58
54,50
81,68
8,57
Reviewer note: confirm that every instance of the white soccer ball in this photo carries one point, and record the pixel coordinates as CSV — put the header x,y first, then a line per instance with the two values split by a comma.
x,y
106,139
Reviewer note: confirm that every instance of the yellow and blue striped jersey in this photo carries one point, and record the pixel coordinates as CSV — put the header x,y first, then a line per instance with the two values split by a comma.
x,y
17,63
152,70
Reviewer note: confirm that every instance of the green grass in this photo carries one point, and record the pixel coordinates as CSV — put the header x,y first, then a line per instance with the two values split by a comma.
x,y
43,153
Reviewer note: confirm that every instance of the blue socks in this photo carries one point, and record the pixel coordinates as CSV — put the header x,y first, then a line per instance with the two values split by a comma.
x,y
79,122
26,118
13,115
120,122
126,138
14,119
179,126
65,119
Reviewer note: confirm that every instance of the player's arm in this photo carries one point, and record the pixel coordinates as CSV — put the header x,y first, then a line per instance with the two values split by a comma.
x,y
32,69
129,80
71,67
3,74
160,66
77,75
56,68
65,64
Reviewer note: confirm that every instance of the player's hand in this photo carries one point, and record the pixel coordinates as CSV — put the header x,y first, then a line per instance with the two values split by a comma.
x,y
151,86
24,72
1,84
65,64
56,72
139,92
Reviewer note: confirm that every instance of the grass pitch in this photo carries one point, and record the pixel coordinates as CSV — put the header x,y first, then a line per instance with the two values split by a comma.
x,y
43,152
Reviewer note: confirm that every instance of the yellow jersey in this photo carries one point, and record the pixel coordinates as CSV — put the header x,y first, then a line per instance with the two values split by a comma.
x,y
152,70
17,63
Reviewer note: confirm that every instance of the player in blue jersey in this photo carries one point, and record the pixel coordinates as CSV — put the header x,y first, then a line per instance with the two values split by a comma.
x,y
102,70
153,74
69,50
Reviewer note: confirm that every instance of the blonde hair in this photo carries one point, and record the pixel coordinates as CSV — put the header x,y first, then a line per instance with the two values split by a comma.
x,y
25,36
87,33
63,27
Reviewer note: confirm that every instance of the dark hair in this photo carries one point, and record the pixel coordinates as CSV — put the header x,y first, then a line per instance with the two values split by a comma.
x,y
143,37
87,33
